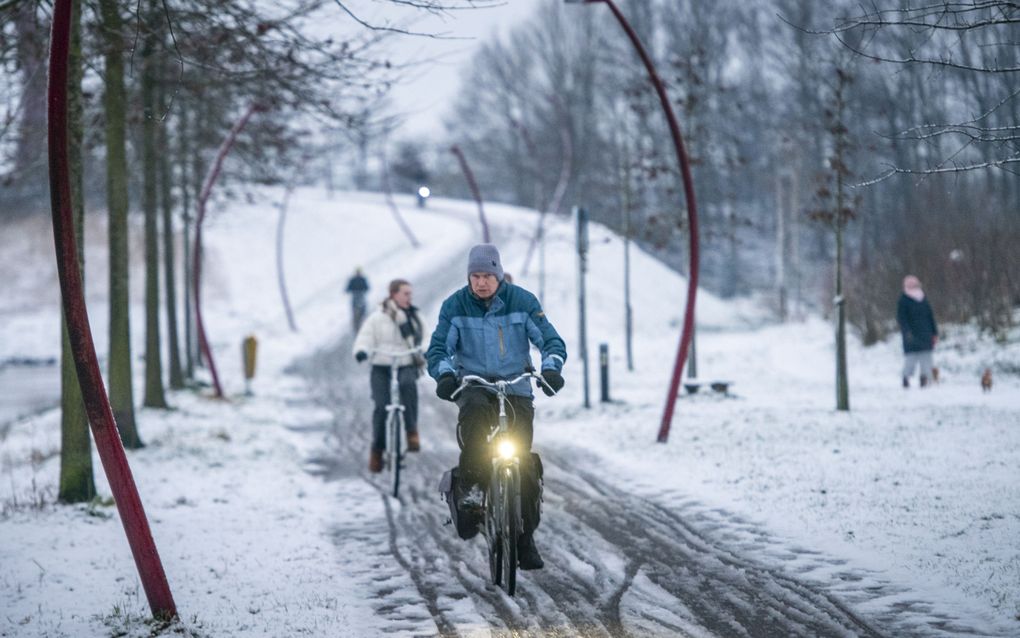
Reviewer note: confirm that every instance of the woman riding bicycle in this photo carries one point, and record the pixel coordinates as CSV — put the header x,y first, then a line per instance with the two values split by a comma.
x,y
486,329
394,327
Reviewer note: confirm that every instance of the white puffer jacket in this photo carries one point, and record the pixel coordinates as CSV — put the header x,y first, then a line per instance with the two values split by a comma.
x,y
381,331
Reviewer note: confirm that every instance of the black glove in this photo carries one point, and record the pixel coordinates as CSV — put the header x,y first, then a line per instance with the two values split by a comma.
x,y
446,386
360,356
555,381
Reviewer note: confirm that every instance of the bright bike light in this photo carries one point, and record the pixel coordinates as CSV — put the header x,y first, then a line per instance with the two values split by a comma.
x,y
506,449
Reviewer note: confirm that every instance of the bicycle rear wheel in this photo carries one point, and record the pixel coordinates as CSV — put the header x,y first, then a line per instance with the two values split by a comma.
x,y
510,504
394,446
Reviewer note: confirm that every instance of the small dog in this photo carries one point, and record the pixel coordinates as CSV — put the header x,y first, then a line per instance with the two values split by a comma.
x,y
934,374
986,380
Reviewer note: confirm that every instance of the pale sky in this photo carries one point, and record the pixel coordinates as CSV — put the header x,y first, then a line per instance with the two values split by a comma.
x,y
425,99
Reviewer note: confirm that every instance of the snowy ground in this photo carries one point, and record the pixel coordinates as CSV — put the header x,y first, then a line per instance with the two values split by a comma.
x,y
912,492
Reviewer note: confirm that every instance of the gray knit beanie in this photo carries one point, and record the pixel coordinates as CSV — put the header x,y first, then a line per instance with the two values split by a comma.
x,y
485,258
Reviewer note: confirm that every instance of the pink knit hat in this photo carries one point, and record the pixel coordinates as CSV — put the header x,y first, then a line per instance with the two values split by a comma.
x,y
912,288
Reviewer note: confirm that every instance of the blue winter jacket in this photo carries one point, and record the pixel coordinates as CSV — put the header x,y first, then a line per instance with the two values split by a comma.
x,y
492,340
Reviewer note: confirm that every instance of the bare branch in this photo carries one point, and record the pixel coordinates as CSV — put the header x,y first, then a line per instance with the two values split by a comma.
x,y
1004,164
393,29
914,60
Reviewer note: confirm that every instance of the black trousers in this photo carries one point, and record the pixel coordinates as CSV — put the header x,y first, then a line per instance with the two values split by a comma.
x,y
479,413
407,376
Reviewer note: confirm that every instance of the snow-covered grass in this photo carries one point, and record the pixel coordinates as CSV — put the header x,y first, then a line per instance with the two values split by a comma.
x,y
913,492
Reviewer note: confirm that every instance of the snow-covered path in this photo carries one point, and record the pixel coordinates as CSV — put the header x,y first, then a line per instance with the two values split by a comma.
x,y
616,564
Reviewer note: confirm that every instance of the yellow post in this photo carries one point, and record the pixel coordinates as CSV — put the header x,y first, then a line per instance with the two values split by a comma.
x,y
249,347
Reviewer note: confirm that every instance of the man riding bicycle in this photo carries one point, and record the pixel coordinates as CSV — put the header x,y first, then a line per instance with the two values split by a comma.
x,y
486,329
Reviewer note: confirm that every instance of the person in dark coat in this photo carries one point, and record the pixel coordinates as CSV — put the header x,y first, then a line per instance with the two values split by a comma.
x,y
920,334
357,288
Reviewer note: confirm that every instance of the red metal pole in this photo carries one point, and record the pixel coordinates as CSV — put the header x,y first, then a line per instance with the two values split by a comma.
x,y
474,189
97,404
692,212
196,269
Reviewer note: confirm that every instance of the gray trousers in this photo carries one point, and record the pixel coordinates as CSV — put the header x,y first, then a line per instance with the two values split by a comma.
x,y
407,377
913,359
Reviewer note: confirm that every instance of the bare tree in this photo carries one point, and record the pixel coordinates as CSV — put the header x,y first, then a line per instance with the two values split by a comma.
x,y
974,45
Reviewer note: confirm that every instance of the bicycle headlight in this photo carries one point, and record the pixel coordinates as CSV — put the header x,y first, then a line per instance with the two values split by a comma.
x,y
506,449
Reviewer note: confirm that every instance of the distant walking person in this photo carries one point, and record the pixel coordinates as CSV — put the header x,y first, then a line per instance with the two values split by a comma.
x,y
920,334
394,327
357,288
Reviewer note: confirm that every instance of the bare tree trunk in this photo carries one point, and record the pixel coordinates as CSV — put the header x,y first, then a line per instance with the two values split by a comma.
x,y
77,483
166,199
782,193
795,222
184,144
842,382
154,396
197,175
115,109
29,168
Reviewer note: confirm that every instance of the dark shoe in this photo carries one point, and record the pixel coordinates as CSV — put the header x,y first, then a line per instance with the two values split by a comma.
x,y
527,554
413,442
375,462
906,382
471,499
924,381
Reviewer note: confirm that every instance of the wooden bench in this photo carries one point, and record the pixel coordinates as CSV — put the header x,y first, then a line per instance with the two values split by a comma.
x,y
717,385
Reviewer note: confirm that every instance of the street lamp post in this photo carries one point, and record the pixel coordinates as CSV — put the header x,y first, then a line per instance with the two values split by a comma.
x,y
692,212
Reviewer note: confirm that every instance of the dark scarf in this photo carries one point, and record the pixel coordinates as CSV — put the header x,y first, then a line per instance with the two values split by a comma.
x,y
407,322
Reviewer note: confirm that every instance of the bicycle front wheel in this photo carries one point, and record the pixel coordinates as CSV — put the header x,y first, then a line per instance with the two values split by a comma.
x,y
394,446
492,531
510,504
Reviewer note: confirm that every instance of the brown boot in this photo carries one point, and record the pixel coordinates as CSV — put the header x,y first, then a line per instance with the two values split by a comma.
x,y
413,443
375,462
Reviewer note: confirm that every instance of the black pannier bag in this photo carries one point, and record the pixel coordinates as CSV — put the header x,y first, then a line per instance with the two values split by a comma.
x,y
468,523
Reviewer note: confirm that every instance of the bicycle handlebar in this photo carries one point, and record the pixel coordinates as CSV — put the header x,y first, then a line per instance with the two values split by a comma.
x,y
500,385
405,353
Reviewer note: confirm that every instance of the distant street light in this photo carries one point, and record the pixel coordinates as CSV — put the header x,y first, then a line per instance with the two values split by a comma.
x,y
692,212
423,194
